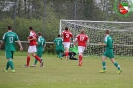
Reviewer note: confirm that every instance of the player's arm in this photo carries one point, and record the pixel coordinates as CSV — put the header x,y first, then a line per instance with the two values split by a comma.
x,y
105,42
62,35
87,43
44,44
34,38
1,44
102,44
21,48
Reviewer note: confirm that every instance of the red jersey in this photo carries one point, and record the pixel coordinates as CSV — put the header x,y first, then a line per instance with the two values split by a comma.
x,y
32,34
82,39
66,36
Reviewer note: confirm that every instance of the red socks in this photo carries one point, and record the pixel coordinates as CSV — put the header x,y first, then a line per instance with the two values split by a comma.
x,y
28,61
80,60
38,58
67,54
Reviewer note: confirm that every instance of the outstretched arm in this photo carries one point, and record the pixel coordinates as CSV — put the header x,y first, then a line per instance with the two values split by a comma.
x,y
102,44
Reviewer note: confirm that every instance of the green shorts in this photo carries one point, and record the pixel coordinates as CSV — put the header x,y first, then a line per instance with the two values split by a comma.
x,y
109,54
39,53
59,50
9,54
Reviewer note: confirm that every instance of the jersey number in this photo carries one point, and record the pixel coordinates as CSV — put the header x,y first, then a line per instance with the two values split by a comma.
x,y
82,38
67,35
42,42
10,39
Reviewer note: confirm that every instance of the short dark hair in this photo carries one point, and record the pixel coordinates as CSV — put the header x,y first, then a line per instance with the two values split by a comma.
x,y
107,31
30,28
59,35
9,27
39,33
66,28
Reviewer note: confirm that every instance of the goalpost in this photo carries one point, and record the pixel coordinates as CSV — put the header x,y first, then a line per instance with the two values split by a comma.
x,y
121,32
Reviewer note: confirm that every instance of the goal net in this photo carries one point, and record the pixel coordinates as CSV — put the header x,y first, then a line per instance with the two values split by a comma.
x,y
121,32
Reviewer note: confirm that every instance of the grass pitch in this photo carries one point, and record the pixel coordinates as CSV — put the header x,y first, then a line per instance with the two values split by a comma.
x,y
66,74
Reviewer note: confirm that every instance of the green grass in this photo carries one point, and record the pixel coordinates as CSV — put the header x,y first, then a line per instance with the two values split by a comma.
x,y
66,74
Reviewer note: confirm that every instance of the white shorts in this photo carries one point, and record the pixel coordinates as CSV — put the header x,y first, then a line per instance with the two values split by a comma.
x,y
32,49
81,49
66,44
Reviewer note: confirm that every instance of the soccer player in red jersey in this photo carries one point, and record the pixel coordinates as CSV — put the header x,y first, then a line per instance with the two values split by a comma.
x,y
32,47
67,35
83,41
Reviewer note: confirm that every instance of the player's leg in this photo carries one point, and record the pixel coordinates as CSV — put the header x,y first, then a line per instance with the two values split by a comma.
x,y
38,54
111,56
36,57
28,56
34,50
80,50
103,63
7,53
61,51
57,52
66,47
28,60
9,56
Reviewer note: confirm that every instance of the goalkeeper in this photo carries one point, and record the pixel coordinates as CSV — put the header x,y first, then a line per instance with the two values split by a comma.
x,y
72,53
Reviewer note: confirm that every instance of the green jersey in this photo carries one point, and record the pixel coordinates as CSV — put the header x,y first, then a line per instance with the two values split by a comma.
x,y
9,39
109,42
41,42
58,42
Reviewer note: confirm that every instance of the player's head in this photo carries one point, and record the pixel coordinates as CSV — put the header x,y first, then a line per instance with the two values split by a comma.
x,y
9,27
66,28
82,31
107,32
39,34
30,28
59,35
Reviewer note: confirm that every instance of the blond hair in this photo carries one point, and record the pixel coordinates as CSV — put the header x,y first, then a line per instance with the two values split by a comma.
x,y
82,31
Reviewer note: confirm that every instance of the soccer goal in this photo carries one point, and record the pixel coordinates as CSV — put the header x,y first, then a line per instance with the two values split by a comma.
x,y
121,32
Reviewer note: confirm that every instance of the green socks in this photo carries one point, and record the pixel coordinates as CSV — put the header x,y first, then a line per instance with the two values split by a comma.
x,y
7,65
35,61
60,55
10,62
116,64
104,65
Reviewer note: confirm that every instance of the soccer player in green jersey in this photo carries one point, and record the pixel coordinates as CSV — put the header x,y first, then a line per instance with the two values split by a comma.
x,y
108,43
9,39
41,44
59,48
